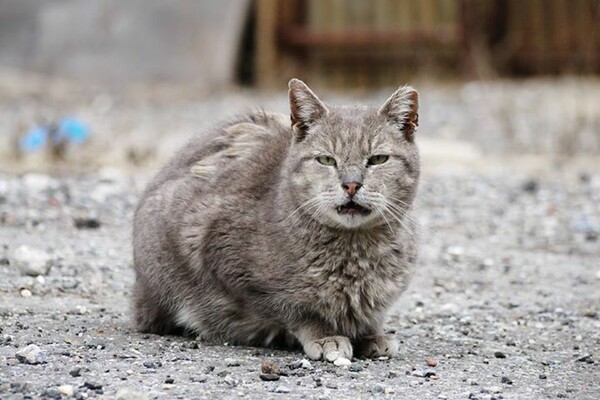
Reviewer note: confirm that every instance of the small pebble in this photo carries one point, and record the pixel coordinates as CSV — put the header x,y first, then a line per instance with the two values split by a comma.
x,y
431,362
494,389
75,372
356,367
306,364
499,354
342,362
92,385
208,369
66,390
31,261
87,223
231,362
199,378
530,186
394,374
130,394
31,354
455,252
52,393
269,377
331,385
506,380
269,367
282,389
26,293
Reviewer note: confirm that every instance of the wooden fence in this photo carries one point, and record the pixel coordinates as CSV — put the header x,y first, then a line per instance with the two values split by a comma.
x,y
354,43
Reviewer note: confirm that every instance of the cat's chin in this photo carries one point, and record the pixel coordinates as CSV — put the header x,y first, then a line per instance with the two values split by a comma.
x,y
350,217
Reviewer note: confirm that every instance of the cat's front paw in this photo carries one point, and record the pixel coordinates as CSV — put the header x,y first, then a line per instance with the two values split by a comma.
x,y
376,346
329,348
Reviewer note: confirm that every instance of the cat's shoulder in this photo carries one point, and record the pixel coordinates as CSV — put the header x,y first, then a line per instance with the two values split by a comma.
x,y
243,139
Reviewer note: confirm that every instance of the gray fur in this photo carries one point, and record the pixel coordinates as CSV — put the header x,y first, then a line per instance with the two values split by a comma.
x,y
239,238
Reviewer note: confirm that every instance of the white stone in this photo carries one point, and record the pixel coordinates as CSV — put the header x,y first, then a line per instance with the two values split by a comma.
x,y
342,362
129,394
306,364
31,354
38,182
66,390
31,261
456,252
25,293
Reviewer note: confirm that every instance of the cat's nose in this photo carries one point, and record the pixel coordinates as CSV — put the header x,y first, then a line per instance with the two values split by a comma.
x,y
351,187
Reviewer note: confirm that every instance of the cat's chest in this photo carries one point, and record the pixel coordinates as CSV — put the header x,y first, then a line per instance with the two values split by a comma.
x,y
356,285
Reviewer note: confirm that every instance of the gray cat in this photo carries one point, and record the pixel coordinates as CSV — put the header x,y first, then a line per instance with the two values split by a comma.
x,y
263,232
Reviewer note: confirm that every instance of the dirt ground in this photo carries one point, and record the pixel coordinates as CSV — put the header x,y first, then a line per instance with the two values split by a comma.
x,y
505,303
505,300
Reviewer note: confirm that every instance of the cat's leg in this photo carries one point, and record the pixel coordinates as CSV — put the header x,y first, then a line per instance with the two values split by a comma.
x,y
318,345
149,315
374,345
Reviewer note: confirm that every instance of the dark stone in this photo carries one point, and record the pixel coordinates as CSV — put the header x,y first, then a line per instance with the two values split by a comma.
x,y
199,379
170,381
87,223
269,377
530,186
52,393
499,354
92,385
75,372
152,364
356,367
506,380
208,369
586,359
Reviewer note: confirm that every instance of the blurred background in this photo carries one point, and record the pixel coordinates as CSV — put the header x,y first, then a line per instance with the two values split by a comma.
x,y
94,84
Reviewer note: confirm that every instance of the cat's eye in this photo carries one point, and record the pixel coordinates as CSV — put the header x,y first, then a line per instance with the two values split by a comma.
x,y
326,160
377,159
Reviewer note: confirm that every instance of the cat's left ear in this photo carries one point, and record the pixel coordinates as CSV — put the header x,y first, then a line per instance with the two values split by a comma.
x,y
402,108
305,108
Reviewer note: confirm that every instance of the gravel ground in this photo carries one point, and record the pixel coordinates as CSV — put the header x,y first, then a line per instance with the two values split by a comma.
x,y
505,303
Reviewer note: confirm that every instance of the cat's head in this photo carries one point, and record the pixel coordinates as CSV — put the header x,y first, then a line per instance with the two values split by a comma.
x,y
353,167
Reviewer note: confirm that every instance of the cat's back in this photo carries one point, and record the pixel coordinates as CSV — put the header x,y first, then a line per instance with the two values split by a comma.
x,y
231,144
237,157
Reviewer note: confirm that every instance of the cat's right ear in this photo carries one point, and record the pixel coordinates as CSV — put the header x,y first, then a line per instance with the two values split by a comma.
x,y
305,108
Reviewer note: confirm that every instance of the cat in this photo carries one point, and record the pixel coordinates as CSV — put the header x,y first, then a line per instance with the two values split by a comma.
x,y
265,231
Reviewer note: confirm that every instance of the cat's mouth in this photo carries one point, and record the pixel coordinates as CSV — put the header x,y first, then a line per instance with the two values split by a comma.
x,y
352,208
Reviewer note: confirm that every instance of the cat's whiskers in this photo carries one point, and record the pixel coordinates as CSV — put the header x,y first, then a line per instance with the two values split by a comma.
x,y
400,215
312,202
387,222
398,218
405,217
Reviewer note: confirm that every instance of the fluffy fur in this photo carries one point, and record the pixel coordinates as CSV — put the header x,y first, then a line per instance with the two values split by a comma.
x,y
250,236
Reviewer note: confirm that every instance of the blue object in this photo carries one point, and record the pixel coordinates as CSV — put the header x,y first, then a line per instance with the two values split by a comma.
x,y
72,130
68,129
35,139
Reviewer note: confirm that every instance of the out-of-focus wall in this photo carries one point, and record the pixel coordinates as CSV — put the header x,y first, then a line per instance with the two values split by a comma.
x,y
193,41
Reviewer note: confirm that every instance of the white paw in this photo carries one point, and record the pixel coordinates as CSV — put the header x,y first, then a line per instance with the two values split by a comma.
x,y
329,348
